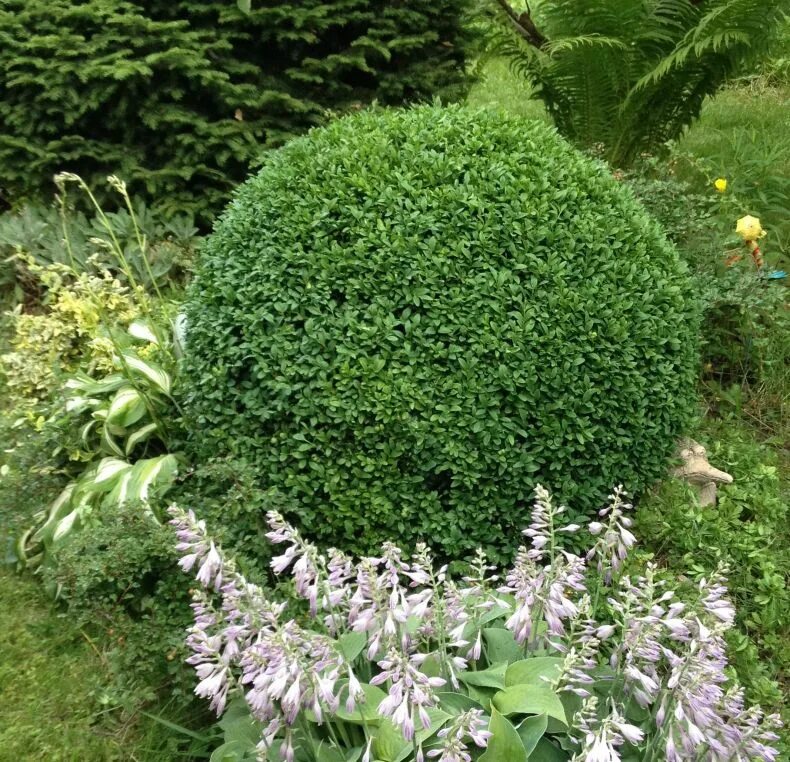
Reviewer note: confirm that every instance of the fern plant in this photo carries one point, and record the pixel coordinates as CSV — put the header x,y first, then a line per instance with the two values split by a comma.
x,y
630,75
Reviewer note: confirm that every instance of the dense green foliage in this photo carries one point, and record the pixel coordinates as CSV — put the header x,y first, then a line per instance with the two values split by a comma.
x,y
409,319
748,532
180,97
630,74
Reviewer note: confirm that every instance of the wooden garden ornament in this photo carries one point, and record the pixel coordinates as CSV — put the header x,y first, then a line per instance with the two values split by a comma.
x,y
696,470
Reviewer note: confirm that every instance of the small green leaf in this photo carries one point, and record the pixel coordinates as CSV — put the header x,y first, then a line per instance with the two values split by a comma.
x,y
505,744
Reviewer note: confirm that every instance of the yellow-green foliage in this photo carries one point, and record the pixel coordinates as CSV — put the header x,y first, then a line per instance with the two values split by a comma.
x,y
70,330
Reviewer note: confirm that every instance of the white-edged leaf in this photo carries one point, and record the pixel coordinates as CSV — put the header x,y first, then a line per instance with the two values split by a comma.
x,y
86,430
65,525
140,436
158,377
81,382
109,469
127,407
58,508
78,404
142,331
149,472
108,440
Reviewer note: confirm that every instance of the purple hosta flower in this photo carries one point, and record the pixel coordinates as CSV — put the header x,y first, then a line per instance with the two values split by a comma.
x,y
581,655
714,601
525,582
291,670
470,724
212,666
614,537
602,737
541,528
378,605
411,691
196,548
746,733
300,556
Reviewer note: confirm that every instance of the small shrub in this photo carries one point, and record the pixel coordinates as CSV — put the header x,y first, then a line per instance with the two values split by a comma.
x,y
117,578
409,318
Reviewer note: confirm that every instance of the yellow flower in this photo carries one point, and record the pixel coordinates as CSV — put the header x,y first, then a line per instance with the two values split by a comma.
x,y
749,228
721,184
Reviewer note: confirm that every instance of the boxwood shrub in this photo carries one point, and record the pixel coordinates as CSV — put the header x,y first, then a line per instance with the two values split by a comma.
x,y
409,318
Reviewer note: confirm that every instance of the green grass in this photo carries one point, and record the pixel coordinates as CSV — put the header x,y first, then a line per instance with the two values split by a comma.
x,y
52,687
499,87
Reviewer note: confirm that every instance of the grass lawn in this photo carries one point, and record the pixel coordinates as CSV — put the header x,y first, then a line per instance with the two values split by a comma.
x,y
51,680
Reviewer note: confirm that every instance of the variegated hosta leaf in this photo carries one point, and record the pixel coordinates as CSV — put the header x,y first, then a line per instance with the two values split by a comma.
x,y
59,507
136,484
64,526
109,471
142,331
157,376
86,430
141,435
82,382
126,408
109,442
78,404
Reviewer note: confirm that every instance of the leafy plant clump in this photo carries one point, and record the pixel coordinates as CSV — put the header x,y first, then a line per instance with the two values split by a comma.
x,y
181,97
400,661
628,74
409,318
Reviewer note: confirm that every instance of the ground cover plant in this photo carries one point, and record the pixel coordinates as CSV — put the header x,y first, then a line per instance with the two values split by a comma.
x,y
400,661
181,98
418,314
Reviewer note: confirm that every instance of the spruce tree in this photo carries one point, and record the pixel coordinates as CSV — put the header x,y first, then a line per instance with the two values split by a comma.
x,y
180,98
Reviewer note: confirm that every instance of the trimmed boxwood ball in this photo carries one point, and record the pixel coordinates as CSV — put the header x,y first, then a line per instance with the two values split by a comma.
x,y
410,318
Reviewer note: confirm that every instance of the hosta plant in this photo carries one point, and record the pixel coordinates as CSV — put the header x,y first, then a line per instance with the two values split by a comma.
x,y
391,658
123,437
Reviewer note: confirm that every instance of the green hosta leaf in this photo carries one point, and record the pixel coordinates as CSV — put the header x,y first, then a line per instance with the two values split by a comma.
x,y
126,408
501,646
546,751
531,731
530,699
351,644
158,377
328,753
482,696
78,404
139,329
140,435
505,744
86,430
391,746
457,703
533,670
493,677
